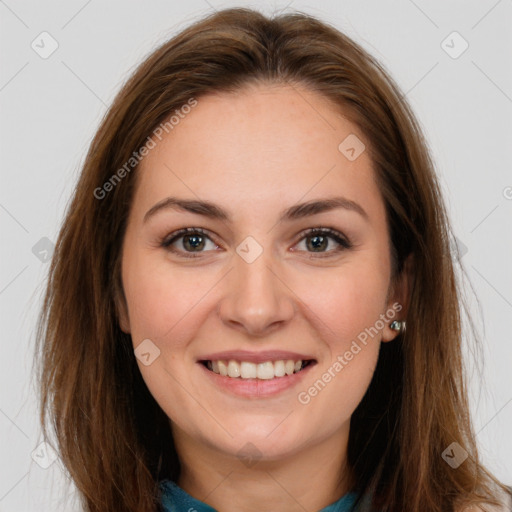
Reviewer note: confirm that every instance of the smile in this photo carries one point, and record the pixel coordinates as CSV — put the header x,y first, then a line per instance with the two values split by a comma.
x,y
266,370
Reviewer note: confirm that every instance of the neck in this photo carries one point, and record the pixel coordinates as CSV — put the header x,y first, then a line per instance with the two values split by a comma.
x,y
312,479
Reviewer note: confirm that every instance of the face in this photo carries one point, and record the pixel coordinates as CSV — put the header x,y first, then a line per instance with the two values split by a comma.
x,y
258,286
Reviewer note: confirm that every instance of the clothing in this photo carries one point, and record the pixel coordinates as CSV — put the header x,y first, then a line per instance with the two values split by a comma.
x,y
175,499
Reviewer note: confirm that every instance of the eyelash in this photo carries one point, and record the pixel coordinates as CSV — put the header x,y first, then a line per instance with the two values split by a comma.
x,y
340,239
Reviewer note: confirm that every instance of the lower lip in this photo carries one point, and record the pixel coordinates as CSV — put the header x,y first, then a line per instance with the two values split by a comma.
x,y
256,388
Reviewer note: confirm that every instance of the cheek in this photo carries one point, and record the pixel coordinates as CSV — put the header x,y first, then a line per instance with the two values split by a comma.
x,y
346,315
161,300
343,302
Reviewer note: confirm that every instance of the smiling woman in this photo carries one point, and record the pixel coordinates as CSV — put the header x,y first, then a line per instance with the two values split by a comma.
x,y
233,336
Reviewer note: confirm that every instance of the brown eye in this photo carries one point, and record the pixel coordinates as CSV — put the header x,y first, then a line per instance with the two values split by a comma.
x,y
188,240
194,242
319,240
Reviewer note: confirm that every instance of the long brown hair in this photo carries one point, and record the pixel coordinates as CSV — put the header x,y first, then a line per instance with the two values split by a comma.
x,y
112,436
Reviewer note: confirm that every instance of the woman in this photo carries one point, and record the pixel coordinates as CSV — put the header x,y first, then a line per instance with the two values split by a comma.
x,y
256,222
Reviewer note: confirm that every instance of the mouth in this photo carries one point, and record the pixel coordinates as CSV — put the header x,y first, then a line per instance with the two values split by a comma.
x,y
265,370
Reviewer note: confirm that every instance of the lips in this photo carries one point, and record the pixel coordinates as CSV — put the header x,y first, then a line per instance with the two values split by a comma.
x,y
255,357
256,365
246,381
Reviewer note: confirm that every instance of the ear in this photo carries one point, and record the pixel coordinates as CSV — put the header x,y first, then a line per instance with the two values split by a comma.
x,y
122,311
399,298
124,321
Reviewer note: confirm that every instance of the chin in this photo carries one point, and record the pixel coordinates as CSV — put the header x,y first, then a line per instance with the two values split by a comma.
x,y
263,441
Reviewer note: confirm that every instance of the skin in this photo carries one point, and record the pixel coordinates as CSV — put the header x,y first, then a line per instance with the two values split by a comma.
x,y
255,153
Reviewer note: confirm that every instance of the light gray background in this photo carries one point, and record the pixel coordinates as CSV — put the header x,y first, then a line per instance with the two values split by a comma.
x,y
50,109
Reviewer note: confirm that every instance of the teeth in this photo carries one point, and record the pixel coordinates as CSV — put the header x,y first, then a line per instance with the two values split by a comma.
x,y
233,369
223,369
266,370
247,370
279,369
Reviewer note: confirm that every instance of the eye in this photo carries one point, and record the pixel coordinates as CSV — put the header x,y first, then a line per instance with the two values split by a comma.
x,y
316,240
189,241
185,242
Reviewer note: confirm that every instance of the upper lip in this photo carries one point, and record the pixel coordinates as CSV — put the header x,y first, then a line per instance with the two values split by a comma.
x,y
255,357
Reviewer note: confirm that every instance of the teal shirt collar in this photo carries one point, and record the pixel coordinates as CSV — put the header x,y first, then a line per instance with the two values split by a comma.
x,y
175,499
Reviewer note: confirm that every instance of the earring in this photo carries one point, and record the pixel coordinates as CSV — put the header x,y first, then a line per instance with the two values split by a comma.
x,y
398,326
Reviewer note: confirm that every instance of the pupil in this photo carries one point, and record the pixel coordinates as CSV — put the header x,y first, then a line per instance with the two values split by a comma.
x,y
195,241
318,242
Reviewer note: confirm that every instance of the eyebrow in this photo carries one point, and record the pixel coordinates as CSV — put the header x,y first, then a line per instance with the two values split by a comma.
x,y
213,211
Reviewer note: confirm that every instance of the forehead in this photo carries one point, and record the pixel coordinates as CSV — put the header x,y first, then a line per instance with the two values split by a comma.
x,y
268,145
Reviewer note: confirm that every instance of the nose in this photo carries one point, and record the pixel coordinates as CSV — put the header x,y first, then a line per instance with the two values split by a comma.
x,y
257,299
